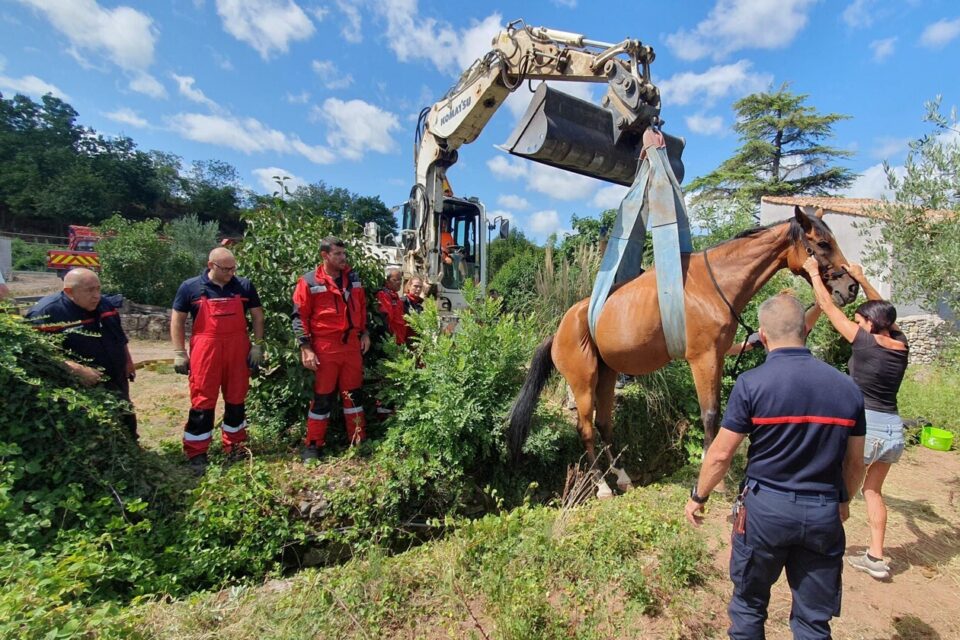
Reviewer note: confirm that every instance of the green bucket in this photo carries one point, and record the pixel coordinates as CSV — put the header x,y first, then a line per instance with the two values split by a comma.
x,y
937,439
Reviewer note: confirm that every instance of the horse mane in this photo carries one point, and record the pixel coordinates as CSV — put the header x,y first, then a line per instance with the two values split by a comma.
x,y
795,231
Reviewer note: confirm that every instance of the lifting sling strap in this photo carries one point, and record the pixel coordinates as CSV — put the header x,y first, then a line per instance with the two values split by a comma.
x,y
654,197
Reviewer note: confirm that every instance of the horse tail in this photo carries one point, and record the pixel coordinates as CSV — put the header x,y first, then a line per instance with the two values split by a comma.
x,y
526,403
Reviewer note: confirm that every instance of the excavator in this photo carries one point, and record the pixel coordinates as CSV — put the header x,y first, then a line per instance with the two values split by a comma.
x,y
442,235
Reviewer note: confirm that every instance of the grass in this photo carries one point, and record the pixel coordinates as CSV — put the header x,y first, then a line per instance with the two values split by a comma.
x,y
623,564
930,391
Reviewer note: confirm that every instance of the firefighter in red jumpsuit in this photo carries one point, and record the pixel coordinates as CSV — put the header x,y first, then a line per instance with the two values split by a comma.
x,y
330,323
221,354
391,306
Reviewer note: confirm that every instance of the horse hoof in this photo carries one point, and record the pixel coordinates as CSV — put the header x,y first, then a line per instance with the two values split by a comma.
x,y
625,487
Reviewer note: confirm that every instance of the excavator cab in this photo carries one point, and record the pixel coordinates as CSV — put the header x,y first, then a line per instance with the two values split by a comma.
x,y
461,251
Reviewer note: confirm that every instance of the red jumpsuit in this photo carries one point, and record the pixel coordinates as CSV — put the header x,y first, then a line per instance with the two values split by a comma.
x,y
391,306
219,345
330,315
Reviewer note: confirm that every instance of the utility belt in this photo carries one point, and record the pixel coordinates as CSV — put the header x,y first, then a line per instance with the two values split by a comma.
x,y
815,497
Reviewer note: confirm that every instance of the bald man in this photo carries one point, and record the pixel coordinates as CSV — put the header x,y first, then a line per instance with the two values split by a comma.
x,y
806,425
92,332
221,354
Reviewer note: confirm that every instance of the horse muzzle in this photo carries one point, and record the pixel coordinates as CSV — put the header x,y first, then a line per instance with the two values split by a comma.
x,y
843,288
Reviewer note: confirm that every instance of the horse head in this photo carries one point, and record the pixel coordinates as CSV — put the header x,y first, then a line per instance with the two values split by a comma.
x,y
812,237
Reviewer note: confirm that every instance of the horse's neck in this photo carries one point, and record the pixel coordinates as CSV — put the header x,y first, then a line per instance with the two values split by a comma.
x,y
742,266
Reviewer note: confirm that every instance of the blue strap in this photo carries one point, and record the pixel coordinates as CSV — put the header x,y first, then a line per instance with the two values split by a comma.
x,y
654,195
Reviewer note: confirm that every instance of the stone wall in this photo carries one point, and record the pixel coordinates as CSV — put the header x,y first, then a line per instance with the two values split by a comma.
x,y
926,335
146,322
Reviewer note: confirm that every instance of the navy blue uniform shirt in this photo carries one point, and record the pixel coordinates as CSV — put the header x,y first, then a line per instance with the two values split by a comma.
x,y
94,336
190,291
798,413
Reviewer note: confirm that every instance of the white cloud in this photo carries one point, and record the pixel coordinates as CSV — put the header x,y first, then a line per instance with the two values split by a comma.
x,y
569,4
741,24
940,33
298,98
123,35
148,85
30,86
246,135
506,168
559,184
890,147
508,215
512,201
716,82
872,183
352,29
265,177
859,13
125,115
544,223
412,36
269,26
609,197
188,91
518,101
706,125
327,71
319,13
355,127
883,49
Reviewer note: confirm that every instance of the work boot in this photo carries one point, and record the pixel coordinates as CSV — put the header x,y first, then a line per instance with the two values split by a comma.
x,y
198,464
876,568
310,452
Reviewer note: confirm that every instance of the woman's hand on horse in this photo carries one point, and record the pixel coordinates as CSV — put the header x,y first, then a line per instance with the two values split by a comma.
x,y
855,271
811,266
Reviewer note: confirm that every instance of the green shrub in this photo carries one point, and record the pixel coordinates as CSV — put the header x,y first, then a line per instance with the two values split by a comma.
x,y
516,280
139,262
29,256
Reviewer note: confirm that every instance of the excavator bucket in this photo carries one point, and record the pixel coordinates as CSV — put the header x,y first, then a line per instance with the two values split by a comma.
x,y
575,135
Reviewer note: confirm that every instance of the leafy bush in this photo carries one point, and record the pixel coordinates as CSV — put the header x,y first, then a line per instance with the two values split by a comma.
x,y
28,256
193,237
139,262
516,280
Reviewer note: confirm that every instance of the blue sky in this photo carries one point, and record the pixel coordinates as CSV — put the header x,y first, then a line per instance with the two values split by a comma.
x,y
330,89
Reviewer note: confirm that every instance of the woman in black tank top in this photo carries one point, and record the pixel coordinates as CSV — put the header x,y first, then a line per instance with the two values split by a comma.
x,y
877,365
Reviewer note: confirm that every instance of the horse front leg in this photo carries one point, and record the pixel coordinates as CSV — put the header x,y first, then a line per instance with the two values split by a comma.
x,y
706,377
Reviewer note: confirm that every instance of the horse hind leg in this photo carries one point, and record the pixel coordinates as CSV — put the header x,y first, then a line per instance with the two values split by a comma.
x,y
606,384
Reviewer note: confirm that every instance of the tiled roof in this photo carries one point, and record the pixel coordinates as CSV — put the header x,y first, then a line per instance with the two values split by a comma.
x,y
864,207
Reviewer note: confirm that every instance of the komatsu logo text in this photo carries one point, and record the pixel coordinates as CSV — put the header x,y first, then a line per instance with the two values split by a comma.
x,y
463,104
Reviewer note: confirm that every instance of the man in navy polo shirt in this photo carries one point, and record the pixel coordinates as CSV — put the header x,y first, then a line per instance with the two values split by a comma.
x,y
221,353
806,426
92,332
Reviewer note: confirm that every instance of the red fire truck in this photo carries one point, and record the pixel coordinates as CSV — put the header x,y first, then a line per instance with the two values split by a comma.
x,y
79,252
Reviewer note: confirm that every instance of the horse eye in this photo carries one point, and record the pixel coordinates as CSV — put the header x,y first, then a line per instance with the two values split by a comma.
x,y
823,244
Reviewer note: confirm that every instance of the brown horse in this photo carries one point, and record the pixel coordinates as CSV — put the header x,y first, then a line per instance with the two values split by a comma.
x,y
629,334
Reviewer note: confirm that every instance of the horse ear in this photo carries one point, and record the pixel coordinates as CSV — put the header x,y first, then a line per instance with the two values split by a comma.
x,y
802,218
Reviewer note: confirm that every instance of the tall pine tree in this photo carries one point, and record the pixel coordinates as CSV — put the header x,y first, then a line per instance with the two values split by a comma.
x,y
781,152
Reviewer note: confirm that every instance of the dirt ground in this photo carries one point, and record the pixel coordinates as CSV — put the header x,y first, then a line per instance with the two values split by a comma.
x,y
40,283
921,599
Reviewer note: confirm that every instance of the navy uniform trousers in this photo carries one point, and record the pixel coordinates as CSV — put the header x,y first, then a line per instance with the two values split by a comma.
x,y
801,533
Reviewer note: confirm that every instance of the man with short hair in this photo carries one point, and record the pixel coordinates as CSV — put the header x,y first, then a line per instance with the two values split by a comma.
x,y
221,354
806,426
91,324
330,324
391,307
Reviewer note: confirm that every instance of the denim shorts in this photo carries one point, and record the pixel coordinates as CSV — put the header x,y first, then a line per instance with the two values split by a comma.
x,y
884,441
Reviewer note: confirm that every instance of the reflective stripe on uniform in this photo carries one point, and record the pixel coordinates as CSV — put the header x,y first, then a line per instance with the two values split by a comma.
x,y
318,416
197,437
229,429
350,410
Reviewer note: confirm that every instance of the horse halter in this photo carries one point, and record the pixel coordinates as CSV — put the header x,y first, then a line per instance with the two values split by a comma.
x,y
827,274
